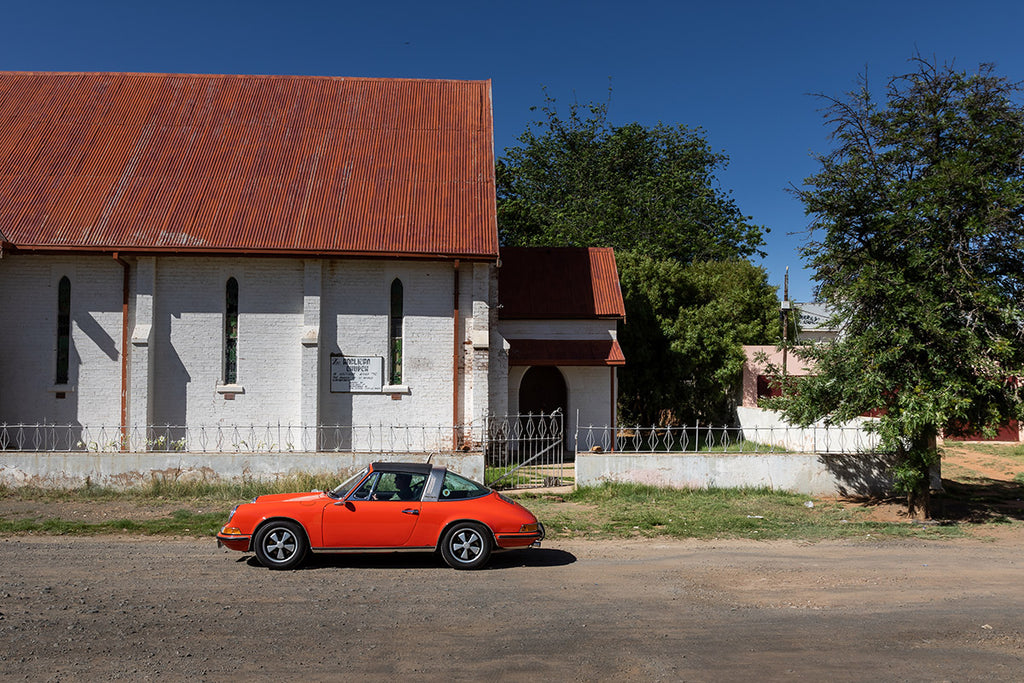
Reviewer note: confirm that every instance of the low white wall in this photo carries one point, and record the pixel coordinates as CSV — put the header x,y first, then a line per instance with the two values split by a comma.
x,y
808,473
767,427
124,470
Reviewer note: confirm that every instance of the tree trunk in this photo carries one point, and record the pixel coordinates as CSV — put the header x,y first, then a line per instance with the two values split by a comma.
x,y
919,499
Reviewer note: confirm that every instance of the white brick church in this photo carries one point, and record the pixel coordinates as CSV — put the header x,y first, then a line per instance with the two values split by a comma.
x,y
184,254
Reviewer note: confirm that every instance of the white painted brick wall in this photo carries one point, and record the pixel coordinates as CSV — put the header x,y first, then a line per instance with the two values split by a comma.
x,y
188,341
356,304
28,340
187,299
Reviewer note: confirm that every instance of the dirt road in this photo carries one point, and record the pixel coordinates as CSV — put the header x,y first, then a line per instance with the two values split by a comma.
x,y
130,608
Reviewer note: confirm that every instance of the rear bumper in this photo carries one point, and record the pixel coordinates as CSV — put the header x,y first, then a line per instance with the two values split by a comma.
x,y
518,540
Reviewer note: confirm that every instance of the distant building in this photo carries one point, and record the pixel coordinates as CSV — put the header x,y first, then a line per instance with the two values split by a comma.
x,y
813,322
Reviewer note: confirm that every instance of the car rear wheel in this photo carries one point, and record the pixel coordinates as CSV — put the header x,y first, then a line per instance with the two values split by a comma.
x,y
281,545
466,546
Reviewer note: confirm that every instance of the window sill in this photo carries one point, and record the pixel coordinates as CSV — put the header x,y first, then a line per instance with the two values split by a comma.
x,y
396,389
62,389
230,389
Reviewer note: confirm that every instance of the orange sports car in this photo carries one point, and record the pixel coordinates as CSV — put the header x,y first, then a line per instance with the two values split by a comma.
x,y
387,507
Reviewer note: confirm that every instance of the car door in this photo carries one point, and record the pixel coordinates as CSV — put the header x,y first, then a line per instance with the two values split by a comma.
x,y
374,515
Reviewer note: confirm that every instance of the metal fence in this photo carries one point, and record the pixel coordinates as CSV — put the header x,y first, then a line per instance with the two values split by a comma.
x,y
527,451
269,438
520,450
711,439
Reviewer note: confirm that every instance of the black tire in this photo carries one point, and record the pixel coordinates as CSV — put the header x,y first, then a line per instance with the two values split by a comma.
x,y
281,544
466,545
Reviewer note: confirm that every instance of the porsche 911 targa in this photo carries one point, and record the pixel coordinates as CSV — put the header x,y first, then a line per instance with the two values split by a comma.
x,y
387,507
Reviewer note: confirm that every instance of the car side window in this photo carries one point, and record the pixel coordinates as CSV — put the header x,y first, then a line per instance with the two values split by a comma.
x,y
400,486
366,488
460,488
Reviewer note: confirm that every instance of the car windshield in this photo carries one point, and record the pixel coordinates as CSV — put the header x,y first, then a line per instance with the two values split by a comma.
x,y
342,490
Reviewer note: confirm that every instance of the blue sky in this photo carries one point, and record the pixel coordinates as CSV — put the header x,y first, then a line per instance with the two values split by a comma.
x,y
741,70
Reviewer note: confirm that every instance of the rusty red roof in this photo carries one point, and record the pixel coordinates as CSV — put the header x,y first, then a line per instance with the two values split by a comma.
x,y
267,164
559,282
565,352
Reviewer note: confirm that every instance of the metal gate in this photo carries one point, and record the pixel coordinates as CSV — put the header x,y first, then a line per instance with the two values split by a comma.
x,y
527,451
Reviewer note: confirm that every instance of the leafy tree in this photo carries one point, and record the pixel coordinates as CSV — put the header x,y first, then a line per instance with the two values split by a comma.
x,y
581,181
651,193
686,326
919,208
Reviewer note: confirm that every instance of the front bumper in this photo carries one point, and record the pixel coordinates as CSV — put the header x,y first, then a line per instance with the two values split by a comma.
x,y
233,542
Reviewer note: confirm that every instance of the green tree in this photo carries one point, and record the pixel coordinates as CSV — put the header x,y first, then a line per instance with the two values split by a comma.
x,y
581,181
651,193
683,341
921,255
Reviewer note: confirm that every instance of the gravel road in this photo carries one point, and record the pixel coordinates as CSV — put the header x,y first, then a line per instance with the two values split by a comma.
x,y
91,608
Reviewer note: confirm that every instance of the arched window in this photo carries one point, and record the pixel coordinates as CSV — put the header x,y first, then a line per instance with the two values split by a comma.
x,y
63,329
231,333
395,326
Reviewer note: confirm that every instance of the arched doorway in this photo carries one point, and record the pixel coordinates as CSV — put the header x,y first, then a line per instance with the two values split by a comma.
x,y
542,390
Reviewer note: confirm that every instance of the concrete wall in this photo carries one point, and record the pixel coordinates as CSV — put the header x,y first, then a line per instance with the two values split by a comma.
x,y
806,473
768,428
123,470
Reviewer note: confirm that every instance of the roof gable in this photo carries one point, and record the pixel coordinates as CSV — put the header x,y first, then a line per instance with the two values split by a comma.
x,y
274,164
559,283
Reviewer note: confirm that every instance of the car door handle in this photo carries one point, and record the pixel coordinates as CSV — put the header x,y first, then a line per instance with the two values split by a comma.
x,y
411,512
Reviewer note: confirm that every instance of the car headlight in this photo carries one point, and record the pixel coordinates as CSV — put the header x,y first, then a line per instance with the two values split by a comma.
x,y
232,513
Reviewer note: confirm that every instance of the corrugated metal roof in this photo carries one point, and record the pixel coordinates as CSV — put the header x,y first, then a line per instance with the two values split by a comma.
x,y
273,164
559,282
565,352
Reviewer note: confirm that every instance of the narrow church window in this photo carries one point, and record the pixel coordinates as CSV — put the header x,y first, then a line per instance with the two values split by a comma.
x,y
396,323
63,329
231,333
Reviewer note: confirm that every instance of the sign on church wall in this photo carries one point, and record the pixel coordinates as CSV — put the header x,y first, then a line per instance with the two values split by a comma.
x,y
356,374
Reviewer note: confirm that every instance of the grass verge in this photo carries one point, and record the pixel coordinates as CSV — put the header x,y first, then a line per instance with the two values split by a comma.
x,y
634,510
607,511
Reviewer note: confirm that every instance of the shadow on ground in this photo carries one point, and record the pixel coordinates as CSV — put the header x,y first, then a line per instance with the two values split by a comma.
x,y
981,500
536,557
972,502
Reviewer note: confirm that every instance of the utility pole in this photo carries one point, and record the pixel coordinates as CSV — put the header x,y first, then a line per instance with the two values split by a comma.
x,y
784,314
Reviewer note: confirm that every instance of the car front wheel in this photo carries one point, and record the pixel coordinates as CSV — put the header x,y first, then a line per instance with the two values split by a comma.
x,y
281,545
466,546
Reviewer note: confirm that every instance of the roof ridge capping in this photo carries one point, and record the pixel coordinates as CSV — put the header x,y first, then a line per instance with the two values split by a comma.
x,y
174,74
